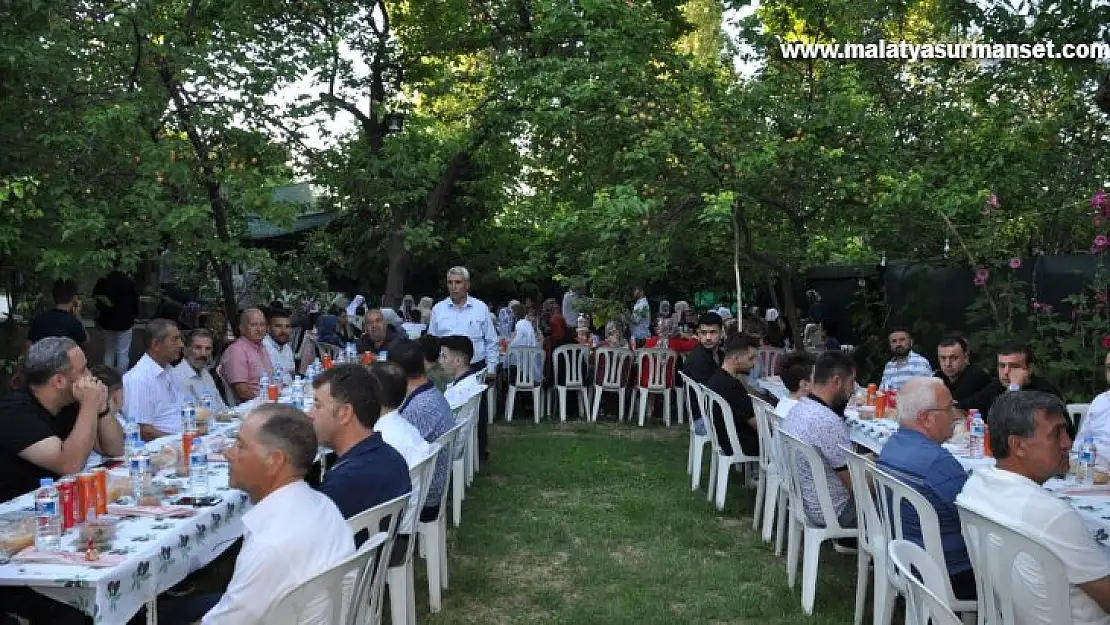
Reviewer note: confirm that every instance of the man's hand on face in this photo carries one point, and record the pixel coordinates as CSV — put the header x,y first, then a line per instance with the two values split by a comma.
x,y
90,391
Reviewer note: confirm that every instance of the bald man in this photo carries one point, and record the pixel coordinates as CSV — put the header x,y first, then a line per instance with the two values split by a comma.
x,y
246,360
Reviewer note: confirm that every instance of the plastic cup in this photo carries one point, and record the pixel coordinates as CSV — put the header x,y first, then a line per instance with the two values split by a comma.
x,y
880,406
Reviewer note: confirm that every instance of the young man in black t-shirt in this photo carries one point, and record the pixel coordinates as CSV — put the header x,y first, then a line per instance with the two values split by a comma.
x,y
740,354
62,320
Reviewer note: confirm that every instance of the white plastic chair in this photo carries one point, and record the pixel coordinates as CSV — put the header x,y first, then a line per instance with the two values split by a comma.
x,y
1076,413
922,605
694,397
775,495
465,422
994,550
891,495
338,592
463,469
720,465
804,532
328,348
571,366
778,458
371,521
614,378
526,366
765,488
229,393
768,359
402,591
872,544
433,534
658,363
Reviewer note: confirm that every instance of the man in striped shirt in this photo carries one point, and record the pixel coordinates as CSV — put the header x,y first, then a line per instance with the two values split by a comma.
x,y
906,363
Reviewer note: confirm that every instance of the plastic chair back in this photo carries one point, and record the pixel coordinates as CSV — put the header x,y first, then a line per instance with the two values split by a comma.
x,y
371,521
446,443
796,455
922,605
570,366
872,537
716,405
996,551
334,597
528,364
694,398
763,410
1076,412
768,358
617,361
657,362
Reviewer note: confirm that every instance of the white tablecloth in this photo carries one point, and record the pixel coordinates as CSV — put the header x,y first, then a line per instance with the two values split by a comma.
x,y
873,434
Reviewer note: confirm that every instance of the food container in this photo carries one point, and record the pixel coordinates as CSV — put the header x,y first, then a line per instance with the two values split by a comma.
x,y
17,532
866,413
86,495
101,530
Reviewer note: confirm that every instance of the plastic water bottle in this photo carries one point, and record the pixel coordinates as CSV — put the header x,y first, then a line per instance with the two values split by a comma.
x,y
140,470
188,418
1088,453
976,433
383,355
1013,387
131,439
297,396
198,468
263,387
352,352
48,517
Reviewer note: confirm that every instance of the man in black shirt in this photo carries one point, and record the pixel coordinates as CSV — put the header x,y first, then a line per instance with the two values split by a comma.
x,y
1015,372
117,305
740,354
62,320
50,427
965,382
705,360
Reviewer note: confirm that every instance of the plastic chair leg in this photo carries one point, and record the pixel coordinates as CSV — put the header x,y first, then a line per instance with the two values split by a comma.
x,y
510,403
562,404
711,489
883,608
537,403
723,469
695,474
430,532
760,493
620,406
458,478
770,504
679,404
643,398
667,408
597,405
784,523
810,560
793,550
491,401
862,578
399,598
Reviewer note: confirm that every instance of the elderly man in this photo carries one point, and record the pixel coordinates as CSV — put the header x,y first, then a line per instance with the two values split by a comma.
x,y
368,471
906,363
818,421
467,316
966,383
151,394
245,361
926,416
455,353
276,340
1030,442
192,372
292,533
378,334
50,427
1096,423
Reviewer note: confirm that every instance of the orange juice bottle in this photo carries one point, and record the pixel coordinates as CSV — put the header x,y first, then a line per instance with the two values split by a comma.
x,y
326,360
987,453
880,404
872,389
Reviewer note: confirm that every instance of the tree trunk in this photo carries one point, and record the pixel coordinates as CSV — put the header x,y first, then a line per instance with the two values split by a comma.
x,y
398,265
774,295
736,265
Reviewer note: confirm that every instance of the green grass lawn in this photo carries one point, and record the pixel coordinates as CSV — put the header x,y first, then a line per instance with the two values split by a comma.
x,y
596,523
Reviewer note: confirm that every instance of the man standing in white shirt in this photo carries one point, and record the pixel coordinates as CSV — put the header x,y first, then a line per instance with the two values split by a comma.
x,y
401,435
276,340
467,316
192,372
1030,442
293,533
151,395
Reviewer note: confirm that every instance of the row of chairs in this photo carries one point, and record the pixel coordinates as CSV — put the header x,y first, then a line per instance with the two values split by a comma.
x,y
352,592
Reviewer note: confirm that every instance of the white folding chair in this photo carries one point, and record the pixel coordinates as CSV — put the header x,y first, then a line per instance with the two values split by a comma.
x,y
433,534
526,370
720,464
659,363
995,551
570,367
1076,412
922,605
614,377
402,591
892,495
872,544
798,454
371,520
333,597
696,400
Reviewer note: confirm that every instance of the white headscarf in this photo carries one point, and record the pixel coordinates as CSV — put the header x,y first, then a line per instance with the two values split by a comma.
x,y
353,306
771,316
523,334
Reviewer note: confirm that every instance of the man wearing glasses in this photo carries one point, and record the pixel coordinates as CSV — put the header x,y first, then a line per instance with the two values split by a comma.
x,y
915,455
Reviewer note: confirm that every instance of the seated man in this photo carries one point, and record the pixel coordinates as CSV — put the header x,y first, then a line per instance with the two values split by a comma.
x,y
50,427
818,421
378,335
926,415
1030,443
192,372
403,437
964,381
292,533
152,396
740,354
113,383
795,370
455,353
245,361
434,370
1096,422
428,411
705,360
368,471
906,363
277,339
1015,373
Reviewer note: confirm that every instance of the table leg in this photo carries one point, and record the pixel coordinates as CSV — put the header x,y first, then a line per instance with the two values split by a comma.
x,y
152,612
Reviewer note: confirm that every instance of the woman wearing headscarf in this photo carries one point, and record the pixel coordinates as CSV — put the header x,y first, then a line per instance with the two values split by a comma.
x,y
616,335
425,308
327,331
773,335
666,337
524,335
506,318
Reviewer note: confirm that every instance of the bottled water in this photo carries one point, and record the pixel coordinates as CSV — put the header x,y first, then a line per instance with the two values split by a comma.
x,y
188,418
976,432
1088,453
131,439
48,517
198,468
351,352
298,395
206,401
263,387
139,466
383,355
279,377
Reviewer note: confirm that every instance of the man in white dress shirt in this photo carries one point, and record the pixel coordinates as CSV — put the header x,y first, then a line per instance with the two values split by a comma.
x,y
402,436
151,394
467,316
192,372
292,533
455,353
276,340
1030,442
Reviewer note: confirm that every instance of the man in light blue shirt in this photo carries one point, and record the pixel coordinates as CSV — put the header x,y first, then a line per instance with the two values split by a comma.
x,y
906,363
462,315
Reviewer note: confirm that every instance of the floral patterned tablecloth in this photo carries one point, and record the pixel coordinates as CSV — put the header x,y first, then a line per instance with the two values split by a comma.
x,y
160,553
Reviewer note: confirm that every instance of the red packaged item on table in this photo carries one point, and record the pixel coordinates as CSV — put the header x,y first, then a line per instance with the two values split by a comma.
x,y
67,499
